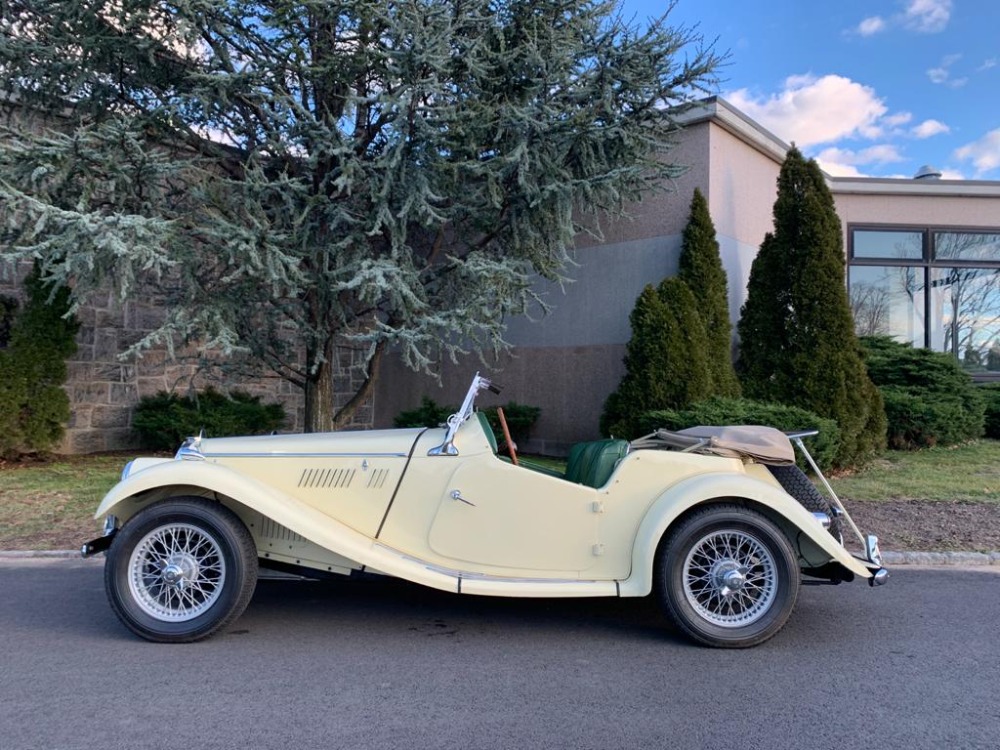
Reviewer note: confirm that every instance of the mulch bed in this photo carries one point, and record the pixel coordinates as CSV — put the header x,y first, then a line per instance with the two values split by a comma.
x,y
921,525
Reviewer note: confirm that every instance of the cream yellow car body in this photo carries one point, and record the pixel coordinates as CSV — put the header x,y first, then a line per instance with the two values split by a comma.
x,y
470,523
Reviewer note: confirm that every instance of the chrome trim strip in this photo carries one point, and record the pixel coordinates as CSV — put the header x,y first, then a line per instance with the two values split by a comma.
x,y
281,454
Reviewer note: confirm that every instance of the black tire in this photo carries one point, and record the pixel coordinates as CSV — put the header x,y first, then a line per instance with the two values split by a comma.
x,y
180,570
795,482
748,582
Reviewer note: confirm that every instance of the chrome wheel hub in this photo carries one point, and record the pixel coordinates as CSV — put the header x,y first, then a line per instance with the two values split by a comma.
x,y
176,572
730,578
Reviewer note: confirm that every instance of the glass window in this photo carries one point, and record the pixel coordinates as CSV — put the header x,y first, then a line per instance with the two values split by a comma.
x,y
965,315
889,301
888,244
971,246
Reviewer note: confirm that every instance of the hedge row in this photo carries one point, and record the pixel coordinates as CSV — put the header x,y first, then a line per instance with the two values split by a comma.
x,y
166,419
929,399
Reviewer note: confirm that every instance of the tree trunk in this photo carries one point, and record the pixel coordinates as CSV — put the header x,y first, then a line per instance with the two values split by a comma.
x,y
319,399
343,417
319,393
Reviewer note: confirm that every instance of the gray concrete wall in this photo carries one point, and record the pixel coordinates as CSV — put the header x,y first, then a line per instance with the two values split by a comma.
x,y
594,308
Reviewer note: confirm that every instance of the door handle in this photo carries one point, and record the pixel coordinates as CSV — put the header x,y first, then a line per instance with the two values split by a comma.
x,y
457,495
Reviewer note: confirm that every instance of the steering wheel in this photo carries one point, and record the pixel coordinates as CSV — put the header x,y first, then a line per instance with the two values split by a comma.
x,y
511,448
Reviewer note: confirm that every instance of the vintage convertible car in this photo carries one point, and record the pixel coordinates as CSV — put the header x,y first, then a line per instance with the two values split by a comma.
x,y
703,518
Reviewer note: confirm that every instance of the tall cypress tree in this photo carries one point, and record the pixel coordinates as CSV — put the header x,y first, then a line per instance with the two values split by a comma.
x,y
666,363
701,269
798,344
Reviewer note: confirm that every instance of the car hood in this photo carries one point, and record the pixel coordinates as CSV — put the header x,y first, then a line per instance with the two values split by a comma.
x,y
360,442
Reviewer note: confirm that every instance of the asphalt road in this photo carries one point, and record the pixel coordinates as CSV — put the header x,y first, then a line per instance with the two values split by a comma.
x,y
914,664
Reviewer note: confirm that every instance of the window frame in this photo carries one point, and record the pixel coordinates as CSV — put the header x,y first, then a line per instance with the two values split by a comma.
x,y
925,263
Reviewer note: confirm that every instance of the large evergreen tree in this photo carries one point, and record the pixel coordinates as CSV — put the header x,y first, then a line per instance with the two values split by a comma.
x,y
666,360
701,269
291,174
798,344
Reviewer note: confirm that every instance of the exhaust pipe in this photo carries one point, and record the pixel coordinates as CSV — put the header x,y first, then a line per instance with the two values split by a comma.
x,y
880,577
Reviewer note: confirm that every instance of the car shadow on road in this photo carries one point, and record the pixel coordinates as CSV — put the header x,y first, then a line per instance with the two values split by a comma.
x,y
394,605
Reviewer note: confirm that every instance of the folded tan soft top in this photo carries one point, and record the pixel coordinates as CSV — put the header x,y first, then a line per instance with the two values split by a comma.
x,y
764,444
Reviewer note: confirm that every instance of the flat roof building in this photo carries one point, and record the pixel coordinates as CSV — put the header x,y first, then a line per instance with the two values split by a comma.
x,y
923,265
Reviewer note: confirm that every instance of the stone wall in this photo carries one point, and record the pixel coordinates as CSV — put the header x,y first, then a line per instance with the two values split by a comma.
x,y
104,389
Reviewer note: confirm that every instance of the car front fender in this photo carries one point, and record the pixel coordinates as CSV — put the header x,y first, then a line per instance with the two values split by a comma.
x,y
155,481
807,535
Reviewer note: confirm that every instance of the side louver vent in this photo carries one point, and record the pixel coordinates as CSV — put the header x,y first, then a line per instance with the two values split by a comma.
x,y
326,478
377,479
271,530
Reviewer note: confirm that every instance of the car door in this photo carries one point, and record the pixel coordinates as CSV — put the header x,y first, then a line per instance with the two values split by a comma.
x,y
495,515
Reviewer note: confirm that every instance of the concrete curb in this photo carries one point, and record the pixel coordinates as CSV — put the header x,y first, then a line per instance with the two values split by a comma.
x,y
941,558
890,558
38,553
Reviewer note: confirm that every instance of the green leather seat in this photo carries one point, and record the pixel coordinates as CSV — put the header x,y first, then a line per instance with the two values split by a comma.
x,y
592,464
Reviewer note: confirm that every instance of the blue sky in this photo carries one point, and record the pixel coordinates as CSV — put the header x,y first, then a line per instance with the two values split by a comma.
x,y
868,87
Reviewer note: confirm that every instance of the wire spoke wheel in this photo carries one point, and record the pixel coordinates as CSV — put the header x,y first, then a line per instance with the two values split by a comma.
x,y
180,570
176,572
730,578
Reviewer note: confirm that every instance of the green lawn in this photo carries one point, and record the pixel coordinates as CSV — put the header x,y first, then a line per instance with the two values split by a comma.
x,y
965,472
49,505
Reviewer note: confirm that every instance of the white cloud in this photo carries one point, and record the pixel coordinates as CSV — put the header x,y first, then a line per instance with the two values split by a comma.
x,y
942,73
927,16
871,26
921,16
929,128
897,118
810,110
987,64
951,174
834,169
983,153
937,75
881,154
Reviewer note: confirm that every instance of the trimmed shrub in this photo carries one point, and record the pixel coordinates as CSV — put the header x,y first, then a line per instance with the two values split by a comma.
x,y
798,344
991,398
34,408
666,360
520,417
428,414
743,411
700,267
166,419
929,399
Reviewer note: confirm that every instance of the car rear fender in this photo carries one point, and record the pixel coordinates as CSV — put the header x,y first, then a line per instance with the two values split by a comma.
x,y
173,478
814,544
